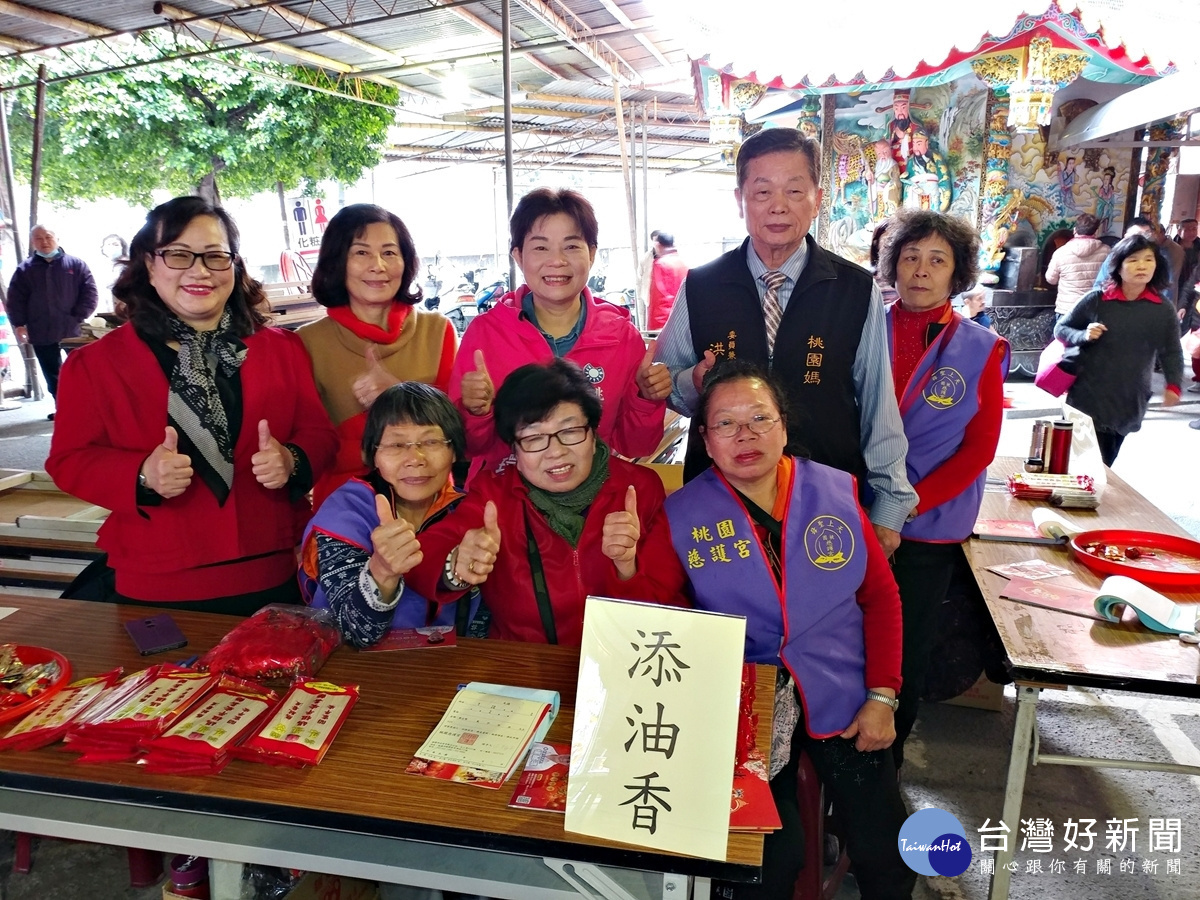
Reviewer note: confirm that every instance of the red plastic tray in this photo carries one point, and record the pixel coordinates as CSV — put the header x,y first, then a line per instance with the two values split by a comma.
x,y
1176,565
32,655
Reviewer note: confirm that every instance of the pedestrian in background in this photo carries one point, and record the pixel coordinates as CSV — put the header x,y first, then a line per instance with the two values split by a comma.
x,y
1121,329
666,275
1075,265
49,296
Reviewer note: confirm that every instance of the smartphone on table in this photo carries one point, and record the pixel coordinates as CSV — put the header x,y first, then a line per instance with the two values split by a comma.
x,y
155,634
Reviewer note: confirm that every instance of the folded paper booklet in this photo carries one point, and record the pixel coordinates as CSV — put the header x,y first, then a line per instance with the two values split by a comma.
x,y
1047,527
484,734
1033,569
1076,598
1156,612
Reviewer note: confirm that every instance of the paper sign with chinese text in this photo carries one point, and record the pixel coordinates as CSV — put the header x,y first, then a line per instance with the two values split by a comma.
x,y
655,726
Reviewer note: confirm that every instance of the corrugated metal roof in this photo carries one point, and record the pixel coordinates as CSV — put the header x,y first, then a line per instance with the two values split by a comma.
x,y
565,55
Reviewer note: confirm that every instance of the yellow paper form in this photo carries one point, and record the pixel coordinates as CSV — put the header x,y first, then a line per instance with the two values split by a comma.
x,y
483,731
656,716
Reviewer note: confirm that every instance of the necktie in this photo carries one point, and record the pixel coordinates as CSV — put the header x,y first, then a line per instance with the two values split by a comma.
x,y
772,311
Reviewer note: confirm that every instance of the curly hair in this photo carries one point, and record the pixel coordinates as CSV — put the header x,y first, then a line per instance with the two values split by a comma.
x,y
349,224
145,308
912,225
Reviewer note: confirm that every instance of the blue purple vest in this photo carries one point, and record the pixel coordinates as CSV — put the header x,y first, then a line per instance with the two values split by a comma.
x,y
349,514
940,400
814,626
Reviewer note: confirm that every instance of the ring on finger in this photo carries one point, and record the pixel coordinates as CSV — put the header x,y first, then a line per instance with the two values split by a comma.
x,y
471,567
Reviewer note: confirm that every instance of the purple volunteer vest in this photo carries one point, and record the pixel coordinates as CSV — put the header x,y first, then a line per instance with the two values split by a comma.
x,y
817,633
941,399
349,514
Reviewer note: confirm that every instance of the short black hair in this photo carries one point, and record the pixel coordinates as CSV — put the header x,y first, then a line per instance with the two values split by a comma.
x,y
1187,221
912,225
413,403
665,238
728,370
1141,222
530,392
1128,246
778,140
350,222
247,303
546,202
1086,224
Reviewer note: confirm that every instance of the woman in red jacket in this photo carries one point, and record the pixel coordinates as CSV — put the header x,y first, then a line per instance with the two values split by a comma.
x,y
195,424
569,519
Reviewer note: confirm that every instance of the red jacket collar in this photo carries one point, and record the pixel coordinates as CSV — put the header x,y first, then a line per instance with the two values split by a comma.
x,y
1114,292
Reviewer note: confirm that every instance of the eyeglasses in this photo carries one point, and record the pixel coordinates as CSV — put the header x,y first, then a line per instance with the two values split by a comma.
x,y
727,428
568,437
427,447
214,260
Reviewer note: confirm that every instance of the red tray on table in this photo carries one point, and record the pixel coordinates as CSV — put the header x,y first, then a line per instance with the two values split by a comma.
x,y
1174,563
32,656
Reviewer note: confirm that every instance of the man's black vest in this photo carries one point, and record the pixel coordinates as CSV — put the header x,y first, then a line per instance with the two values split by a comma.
x,y
815,349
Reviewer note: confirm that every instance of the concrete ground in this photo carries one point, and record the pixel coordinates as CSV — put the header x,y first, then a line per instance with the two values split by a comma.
x,y
957,757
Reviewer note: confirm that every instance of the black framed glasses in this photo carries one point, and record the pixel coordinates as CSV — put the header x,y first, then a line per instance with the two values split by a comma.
x,y
568,437
427,447
178,258
727,428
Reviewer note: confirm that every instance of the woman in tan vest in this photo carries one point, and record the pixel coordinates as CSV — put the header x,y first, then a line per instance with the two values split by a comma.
x,y
375,335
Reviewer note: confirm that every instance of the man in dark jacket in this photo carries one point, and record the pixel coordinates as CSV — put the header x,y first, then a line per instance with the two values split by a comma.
x,y
50,294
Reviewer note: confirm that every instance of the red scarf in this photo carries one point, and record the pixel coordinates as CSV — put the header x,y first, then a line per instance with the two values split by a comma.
x,y
397,315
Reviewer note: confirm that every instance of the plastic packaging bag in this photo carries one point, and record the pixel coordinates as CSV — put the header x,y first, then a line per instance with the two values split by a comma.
x,y
1085,449
276,642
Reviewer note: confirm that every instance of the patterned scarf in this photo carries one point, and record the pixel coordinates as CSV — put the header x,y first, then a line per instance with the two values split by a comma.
x,y
565,511
193,405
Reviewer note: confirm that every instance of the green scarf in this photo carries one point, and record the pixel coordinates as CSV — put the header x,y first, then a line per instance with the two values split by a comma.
x,y
565,511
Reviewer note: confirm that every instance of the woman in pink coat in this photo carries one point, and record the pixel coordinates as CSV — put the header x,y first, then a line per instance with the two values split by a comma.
x,y
553,315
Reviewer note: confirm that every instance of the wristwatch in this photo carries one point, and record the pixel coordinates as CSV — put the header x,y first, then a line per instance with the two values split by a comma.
x,y
884,698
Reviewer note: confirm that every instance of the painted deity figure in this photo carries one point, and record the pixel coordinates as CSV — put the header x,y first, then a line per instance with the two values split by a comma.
x,y
902,128
1066,183
1106,200
883,182
926,176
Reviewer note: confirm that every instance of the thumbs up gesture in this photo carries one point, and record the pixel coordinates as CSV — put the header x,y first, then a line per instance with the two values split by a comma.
x,y
396,549
475,556
477,388
653,378
702,368
622,530
374,381
273,463
167,471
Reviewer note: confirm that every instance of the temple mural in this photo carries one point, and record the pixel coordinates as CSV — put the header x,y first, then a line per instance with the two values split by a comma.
x,y
921,148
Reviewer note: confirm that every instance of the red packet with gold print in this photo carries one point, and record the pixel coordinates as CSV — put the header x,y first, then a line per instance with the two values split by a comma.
x,y
301,728
53,719
200,742
152,702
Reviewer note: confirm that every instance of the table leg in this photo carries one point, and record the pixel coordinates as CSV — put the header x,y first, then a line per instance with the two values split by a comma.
x,y
1014,788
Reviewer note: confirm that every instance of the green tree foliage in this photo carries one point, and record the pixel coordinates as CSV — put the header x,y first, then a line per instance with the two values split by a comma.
x,y
172,124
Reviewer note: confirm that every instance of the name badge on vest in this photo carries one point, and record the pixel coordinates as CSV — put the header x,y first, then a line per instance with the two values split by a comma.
x,y
726,348
946,388
829,542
